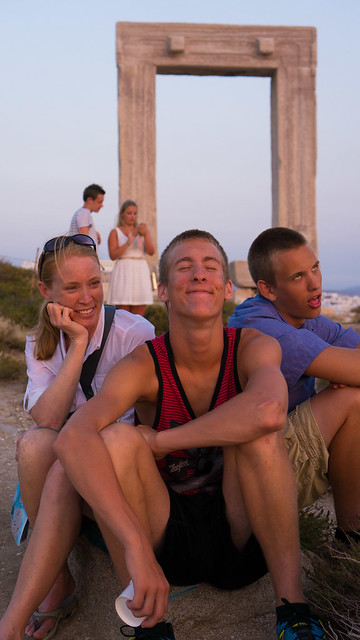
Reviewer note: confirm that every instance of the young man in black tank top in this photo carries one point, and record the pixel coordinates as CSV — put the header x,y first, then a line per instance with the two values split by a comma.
x,y
230,468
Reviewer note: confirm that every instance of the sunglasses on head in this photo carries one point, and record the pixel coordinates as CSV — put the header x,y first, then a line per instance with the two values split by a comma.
x,y
62,241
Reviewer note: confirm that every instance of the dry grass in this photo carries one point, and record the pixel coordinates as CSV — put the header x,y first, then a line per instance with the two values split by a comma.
x,y
12,334
12,343
335,591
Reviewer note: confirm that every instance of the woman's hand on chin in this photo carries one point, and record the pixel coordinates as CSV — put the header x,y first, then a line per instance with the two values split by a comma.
x,y
63,318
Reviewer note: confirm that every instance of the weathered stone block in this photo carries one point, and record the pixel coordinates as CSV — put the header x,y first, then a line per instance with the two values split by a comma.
x,y
176,44
266,46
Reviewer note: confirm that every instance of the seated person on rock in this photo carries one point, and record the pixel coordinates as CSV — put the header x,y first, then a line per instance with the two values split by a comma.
x,y
288,307
70,329
203,489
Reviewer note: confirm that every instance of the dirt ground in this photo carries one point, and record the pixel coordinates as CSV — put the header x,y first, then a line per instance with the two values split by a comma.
x,y
13,422
204,613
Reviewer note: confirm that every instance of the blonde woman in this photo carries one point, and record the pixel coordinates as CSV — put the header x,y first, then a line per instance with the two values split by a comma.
x,y
70,329
130,282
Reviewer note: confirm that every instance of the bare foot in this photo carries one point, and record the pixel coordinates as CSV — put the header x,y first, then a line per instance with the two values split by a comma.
x,y
62,589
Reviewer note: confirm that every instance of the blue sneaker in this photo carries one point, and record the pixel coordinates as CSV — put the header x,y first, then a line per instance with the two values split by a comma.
x,y
161,631
295,622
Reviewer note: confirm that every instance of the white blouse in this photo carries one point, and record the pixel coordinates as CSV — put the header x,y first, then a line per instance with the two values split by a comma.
x,y
127,332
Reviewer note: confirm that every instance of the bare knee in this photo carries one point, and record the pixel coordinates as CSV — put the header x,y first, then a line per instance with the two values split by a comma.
x,y
336,410
354,399
261,450
127,448
122,439
35,447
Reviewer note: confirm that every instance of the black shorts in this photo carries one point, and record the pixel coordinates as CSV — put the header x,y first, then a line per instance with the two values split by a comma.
x,y
198,545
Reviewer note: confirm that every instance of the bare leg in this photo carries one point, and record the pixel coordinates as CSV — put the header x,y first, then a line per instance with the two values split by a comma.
x,y
337,413
144,490
125,307
140,482
62,588
261,475
133,308
46,554
235,508
35,457
138,308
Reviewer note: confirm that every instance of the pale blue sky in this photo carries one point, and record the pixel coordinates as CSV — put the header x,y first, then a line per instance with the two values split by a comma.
x,y
58,118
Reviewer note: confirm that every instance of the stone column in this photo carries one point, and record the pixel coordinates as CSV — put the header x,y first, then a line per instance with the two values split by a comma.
x,y
137,138
293,145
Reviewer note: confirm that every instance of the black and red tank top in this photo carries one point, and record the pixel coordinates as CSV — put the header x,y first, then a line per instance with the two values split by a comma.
x,y
193,470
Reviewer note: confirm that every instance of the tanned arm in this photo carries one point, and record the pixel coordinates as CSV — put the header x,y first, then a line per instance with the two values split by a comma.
x,y
337,364
261,408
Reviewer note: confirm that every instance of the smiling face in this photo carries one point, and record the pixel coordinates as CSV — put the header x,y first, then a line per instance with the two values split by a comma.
x,y
76,284
297,292
196,283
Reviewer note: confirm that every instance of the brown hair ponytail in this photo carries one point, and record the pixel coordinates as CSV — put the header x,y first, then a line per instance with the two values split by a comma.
x,y
46,335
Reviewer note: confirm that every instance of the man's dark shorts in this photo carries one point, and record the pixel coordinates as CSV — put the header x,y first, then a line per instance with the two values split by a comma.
x,y
198,545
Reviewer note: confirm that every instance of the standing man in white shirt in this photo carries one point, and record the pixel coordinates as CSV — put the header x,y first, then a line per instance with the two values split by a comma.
x,y
82,220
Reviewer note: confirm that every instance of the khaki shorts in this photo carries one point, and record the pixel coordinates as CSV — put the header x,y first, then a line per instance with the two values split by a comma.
x,y
308,454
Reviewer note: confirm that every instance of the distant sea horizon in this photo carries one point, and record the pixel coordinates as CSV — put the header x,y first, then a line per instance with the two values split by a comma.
x,y
349,291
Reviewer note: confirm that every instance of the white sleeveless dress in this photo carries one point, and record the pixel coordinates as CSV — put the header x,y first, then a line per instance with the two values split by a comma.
x,y
130,281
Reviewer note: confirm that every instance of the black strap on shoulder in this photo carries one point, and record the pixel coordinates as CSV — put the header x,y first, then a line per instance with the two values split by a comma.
x,y
90,364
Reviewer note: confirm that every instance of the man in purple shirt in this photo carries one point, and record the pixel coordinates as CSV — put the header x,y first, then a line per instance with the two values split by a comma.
x,y
288,307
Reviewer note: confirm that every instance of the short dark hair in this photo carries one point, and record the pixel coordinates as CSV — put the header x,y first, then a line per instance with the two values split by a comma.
x,y
189,235
92,191
262,250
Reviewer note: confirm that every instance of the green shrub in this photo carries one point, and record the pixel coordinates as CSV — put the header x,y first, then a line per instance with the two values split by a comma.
x,y
228,308
157,315
19,296
10,368
12,336
316,529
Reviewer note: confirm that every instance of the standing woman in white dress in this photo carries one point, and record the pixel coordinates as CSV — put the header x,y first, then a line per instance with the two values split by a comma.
x,y
130,280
